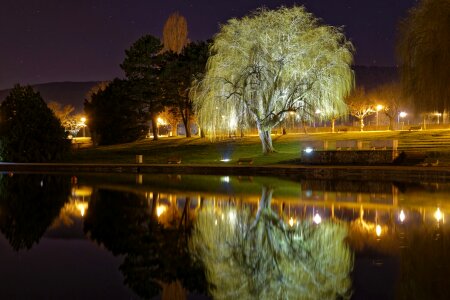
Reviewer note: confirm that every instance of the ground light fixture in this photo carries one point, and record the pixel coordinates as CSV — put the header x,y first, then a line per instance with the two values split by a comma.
x,y
378,230
308,150
401,216
317,219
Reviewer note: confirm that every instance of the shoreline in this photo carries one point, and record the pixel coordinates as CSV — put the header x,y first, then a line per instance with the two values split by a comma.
x,y
320,172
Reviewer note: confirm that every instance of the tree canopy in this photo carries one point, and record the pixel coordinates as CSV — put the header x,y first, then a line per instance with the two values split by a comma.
x,y
114,117
29,130
143,65
423,50
177,77
268,64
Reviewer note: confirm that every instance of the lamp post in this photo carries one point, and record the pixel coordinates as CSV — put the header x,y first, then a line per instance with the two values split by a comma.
x,y
83,124
402,114
438,115
379,107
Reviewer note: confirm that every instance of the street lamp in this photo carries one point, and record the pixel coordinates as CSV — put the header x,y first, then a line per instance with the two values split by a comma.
x,y
402,114
83,124
437,115
379,107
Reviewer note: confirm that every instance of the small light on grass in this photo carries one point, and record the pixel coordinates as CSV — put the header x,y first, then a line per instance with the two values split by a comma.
x,y
438,215
308,150
291,222
317,219
225,159
225,179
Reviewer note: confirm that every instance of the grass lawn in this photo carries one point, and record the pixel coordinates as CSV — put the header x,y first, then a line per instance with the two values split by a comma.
x,y
436,143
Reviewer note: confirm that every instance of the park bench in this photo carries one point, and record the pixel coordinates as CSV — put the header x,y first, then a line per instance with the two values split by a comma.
x,y
410,158
342,130
174,160
418,127
243,160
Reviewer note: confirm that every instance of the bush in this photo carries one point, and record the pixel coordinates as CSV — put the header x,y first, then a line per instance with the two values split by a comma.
x,y
29,130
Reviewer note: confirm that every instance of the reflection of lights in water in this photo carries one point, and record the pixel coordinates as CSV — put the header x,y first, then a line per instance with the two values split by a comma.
x,y
225,179
225,160
317,218
438,215
378,230
402,216
308,150
81,206
160,209
291,222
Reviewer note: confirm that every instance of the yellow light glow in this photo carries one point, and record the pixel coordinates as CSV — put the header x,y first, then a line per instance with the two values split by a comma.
x,y
403,114
83,120
379,107
438,215
160,209
82,207
401,216
161,121
291,222
378,230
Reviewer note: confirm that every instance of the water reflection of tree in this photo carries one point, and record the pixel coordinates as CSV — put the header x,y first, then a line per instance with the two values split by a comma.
x,y
156,257
262,258
28,206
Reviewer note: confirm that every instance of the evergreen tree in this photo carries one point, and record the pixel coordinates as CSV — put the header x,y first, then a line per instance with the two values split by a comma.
x,y
29,130
114,117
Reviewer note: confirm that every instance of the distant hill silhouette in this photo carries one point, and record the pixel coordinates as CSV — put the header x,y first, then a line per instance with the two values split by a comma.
x,y
65,93
74,93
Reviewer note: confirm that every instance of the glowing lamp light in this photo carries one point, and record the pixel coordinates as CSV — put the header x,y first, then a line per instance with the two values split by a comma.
x,y
225,160
379,107
402,114
308,150
291,222
318,111
82,207
317,219
225,179
83,120
438,215
378,230
401,216
160,209
232,217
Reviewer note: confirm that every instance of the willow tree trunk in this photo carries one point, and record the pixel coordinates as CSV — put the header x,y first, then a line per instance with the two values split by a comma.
x,y
361,124
333,121
266,140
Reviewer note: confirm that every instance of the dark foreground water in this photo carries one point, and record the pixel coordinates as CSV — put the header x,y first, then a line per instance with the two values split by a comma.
x,y
172,237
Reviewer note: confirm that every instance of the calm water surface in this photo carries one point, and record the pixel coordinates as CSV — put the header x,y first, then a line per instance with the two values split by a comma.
x,y
171,236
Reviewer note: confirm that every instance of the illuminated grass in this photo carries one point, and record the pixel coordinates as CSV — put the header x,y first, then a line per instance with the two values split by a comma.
x,y
436,143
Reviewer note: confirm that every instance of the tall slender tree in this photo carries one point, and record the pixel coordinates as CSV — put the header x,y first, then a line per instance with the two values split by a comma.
x,y
143,65
178,76
271,63
175,33
423,50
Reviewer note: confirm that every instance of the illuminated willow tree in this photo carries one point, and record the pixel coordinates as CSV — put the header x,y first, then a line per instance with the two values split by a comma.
x,y
262,257
425,56
268,64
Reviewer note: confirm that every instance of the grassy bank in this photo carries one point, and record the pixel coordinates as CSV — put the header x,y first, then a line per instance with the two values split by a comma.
x,y
436,143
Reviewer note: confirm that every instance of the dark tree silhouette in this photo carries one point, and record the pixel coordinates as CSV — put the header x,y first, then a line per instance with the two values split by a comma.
x,y
423,50
29,130
114,116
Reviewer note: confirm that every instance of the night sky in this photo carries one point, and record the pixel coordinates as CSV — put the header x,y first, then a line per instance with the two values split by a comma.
x,y
82,40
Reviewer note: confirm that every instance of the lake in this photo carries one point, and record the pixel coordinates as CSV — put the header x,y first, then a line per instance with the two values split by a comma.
x,y
148,236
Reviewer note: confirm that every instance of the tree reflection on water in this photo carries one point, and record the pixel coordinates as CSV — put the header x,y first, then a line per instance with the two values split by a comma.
x,y
156,256
262,257
28,206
